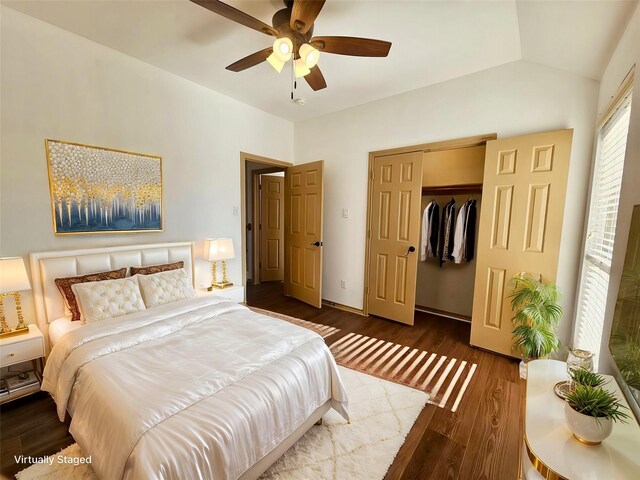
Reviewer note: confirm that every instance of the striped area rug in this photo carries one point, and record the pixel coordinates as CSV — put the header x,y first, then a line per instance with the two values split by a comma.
x,y
444,379
323,330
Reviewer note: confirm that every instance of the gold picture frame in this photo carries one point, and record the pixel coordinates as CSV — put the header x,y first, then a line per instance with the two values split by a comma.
x,y
98,190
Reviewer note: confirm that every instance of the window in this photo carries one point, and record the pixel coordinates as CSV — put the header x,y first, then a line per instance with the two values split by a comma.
x,y
601,227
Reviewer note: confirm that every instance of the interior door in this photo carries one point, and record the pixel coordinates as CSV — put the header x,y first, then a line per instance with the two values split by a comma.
x,y
271,228
396,190
524,188
303,232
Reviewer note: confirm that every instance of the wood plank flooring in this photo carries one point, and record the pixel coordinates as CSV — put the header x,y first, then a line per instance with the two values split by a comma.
x,y
481,440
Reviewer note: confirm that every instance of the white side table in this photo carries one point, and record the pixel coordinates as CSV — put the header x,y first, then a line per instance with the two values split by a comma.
x,y
19,349
234,293
551,452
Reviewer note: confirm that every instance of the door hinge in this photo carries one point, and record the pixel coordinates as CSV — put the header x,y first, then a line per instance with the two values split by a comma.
x,y
260,187
366,290
368,233
260,227
373,176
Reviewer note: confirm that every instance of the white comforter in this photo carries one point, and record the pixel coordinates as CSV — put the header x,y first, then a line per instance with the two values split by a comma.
x,y
200,388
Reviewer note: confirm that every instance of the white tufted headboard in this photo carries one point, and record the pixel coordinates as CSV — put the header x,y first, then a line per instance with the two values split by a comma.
x,y
47,266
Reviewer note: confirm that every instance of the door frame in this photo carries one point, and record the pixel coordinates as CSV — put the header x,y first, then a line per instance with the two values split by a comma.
x,y
270,164
474,141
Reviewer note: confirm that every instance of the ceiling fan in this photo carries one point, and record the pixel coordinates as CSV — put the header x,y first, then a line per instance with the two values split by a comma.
x,y
293,29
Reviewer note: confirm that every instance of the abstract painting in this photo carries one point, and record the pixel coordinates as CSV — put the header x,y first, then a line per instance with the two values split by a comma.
x,y
100,190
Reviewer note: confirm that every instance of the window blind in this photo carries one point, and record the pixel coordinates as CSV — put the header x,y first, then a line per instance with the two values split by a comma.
x,y
601,228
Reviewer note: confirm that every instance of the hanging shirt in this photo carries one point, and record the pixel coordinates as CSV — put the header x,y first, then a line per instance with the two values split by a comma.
x,y
470,231
425,243
429,235
458,237
446,231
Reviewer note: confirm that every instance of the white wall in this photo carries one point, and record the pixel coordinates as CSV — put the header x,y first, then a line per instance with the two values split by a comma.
x,y
511,99
626,54
61,86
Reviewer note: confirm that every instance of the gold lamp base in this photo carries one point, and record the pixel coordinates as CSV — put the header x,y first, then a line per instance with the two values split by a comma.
x,y
21,328
225,283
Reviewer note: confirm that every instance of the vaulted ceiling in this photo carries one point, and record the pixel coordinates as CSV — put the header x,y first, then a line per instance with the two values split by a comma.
x,y
432,42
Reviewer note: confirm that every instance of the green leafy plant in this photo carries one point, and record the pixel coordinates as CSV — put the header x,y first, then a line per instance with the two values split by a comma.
x,y
537,313
597,402
587,378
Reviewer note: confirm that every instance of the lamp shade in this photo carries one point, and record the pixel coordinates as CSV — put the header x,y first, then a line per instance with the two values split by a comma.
x,y
300,68
275,62
283,48
219,249
309,55
13,275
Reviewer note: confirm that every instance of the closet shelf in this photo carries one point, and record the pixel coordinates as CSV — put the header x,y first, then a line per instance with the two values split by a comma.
x,y
452,189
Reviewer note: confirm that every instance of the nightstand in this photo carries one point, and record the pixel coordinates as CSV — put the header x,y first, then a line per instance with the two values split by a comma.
x,y
234,293
19,349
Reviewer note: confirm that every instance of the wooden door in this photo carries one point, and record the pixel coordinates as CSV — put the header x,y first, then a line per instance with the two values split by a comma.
x,y
524,189
396,190
303,232
271,228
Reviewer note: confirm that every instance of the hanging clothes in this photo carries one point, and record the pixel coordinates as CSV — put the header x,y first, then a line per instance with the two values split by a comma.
x,y
447,231
459,238
470,231
429,237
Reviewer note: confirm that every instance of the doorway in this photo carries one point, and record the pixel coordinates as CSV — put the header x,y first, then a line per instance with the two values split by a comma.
x,y
281,216
263,220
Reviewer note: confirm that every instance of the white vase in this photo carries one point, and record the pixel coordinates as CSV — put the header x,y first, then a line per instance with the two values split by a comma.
x,y
587,429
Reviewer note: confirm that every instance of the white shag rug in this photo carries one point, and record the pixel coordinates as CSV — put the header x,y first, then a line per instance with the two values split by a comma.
x,y
382,413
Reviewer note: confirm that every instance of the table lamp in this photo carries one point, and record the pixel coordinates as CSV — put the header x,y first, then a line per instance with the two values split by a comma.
x,y
13,280
219,249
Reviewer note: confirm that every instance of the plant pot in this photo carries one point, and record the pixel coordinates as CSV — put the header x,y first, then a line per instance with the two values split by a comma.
x,y
587,429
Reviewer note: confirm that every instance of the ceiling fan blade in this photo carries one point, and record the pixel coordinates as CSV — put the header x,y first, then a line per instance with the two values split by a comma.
x,y
236,15
304,13
358,47
250,60
315,79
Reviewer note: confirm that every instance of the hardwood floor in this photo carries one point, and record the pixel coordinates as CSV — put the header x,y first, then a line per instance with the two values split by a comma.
x,y
481,440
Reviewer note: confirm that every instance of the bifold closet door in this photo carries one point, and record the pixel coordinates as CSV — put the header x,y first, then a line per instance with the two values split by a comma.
x,y
303,198
524,189
396,190
271,228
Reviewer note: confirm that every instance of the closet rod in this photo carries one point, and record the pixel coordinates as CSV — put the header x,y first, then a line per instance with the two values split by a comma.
x,y
452,189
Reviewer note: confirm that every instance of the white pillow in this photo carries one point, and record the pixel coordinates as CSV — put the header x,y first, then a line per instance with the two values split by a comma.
x,y
165,287
108,298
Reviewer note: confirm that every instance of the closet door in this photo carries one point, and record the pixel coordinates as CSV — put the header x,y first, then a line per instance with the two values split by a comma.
x,y
396,186
524,188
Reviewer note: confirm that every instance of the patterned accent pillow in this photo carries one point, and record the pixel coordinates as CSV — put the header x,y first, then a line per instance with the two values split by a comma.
x,y
65,284
165,287
151,269
108,299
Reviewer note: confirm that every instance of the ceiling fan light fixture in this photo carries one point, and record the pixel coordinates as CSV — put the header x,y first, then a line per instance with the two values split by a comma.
x,y
310,55
275,62
283,48
300,68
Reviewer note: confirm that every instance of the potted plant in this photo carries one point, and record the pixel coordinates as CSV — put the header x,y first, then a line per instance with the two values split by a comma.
x,y
587,378
536,316
590,413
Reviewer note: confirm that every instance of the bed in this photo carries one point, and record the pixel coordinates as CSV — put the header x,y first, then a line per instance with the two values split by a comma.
x,y
197,388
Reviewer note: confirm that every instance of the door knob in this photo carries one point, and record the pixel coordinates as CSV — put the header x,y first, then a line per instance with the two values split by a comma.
x,y
410,250
317,244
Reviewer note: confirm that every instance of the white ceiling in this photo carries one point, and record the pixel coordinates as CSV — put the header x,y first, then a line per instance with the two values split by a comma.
x,y
432,42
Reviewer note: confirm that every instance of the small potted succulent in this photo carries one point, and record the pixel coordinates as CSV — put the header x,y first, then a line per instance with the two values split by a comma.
x,y
590,410
536,316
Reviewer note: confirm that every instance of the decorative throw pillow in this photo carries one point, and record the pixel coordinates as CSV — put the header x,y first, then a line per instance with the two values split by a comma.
x,y
151,269
65,284
165,287
108,298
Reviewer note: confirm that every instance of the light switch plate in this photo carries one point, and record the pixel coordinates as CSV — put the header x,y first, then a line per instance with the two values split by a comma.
x,y
345,213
